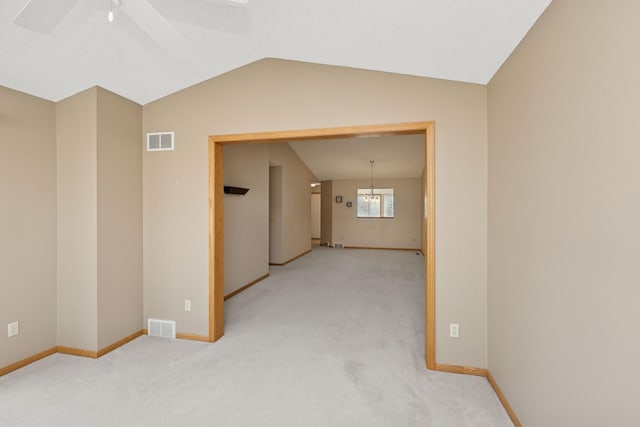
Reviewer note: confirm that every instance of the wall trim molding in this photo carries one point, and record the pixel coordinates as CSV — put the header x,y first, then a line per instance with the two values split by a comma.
x,y
95,354
482,372
457,369
503,400
185,336
245,287
192,337
384,249
77,352
292,259
120,343
27,361
69,350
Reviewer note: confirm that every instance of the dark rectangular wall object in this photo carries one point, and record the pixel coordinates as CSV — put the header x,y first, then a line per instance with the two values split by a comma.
x,y
235,190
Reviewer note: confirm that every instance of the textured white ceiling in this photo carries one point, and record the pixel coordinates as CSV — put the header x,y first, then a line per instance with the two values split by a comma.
x,y
157,47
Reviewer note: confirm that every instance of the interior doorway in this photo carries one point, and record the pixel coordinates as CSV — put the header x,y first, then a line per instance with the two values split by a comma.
x,y
216,210
275,210
315,216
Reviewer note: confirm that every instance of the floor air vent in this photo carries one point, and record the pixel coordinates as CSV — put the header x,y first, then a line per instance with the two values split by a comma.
x,y
161,328
338,245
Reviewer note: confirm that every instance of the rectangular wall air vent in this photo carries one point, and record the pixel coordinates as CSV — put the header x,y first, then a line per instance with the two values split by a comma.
x,y
338,245
161,328
160,141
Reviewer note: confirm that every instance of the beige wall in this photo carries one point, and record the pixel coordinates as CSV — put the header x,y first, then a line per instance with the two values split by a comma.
x,y
246,226
295,199
326,212
175,221
76,131
99,219
564,218
275,213
119,198
73,179
27,224
315,215
402,231
280,95
270,223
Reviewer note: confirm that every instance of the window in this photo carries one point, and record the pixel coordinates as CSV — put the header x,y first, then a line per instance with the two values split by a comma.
x,y
376,205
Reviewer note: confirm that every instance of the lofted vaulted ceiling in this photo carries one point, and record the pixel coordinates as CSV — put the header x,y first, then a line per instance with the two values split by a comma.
x,y
56,48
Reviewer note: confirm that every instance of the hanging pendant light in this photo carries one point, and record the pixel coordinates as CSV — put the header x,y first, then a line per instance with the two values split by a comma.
x,y
371,186
371,197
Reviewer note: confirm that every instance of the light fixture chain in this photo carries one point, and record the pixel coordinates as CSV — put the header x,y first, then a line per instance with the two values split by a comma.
x,y
371,187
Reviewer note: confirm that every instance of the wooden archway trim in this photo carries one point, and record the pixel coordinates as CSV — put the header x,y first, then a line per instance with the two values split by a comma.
x,y
216,210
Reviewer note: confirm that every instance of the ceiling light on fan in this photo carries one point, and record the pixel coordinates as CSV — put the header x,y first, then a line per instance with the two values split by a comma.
x,y
110,16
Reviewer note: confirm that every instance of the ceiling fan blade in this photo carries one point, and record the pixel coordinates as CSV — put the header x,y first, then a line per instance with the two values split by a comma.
x,y
228,16
43,16
156,27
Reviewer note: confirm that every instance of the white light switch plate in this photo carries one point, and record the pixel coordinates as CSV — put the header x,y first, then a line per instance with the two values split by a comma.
x,y
13,329
454,330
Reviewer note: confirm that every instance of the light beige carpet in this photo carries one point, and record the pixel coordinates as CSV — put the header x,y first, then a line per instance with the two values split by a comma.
x,y
332,339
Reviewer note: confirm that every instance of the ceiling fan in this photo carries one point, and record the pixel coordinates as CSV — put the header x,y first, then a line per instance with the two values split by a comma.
x,y
151,16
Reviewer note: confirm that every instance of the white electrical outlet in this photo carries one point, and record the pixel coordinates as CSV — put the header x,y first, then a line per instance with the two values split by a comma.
x,y
13,329
454,330
187,305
